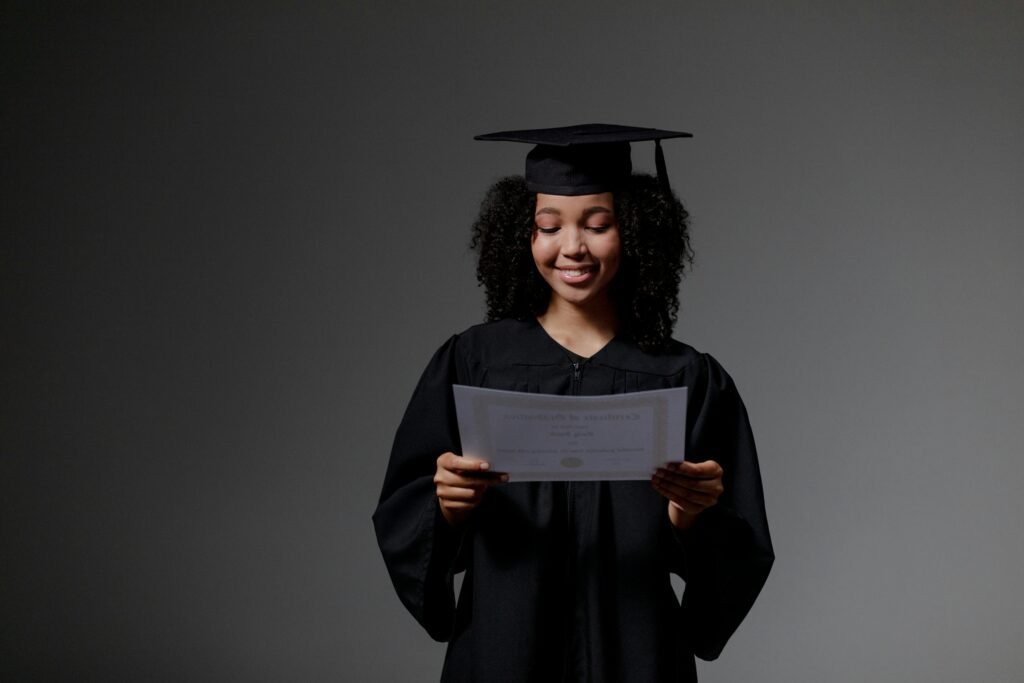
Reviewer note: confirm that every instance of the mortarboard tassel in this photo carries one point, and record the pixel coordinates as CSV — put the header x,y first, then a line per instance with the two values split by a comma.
x,y
659,163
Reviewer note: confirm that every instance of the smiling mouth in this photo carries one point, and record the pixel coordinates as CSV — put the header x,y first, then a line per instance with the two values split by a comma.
x,y
576,276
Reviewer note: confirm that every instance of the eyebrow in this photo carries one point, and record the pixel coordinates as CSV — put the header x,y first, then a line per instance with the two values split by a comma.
x,y
596,209
587,213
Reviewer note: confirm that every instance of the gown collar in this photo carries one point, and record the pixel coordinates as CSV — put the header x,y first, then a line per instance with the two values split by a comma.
x,y
536,347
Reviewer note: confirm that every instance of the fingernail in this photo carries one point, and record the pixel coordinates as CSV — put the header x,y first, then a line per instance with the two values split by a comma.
x,y
485,465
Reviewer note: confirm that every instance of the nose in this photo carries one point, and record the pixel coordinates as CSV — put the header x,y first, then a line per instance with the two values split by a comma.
x,y
574,244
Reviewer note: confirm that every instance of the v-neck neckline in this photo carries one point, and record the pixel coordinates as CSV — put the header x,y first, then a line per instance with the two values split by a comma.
x,y
572,355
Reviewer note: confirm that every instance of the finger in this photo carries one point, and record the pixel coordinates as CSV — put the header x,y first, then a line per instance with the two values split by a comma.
x,y
687,504
458,493
468,467
461,463
708,486
489,478
708,469
451,461
458,504
461,506
683,469
692,470
681,493
683,496
691,511
474,481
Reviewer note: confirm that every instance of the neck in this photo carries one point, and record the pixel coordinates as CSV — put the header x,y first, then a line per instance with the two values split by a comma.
x,y
582,330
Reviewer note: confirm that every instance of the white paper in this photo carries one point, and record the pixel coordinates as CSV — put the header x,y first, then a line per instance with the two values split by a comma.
x,y
540,437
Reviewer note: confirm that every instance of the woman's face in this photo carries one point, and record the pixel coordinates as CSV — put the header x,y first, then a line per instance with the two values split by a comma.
x,y
576,246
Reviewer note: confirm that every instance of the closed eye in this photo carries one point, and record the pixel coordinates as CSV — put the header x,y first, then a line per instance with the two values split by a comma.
x,y
548,231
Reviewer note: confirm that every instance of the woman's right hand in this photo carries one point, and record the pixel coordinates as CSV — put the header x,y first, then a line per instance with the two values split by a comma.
x,y
460,484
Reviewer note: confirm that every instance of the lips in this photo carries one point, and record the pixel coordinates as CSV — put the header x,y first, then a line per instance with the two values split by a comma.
x,y
575,275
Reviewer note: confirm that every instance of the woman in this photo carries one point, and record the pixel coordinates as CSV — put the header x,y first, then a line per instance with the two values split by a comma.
x,y
565,581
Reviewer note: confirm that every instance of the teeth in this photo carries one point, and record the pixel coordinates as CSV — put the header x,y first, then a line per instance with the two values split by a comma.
x,y
575,273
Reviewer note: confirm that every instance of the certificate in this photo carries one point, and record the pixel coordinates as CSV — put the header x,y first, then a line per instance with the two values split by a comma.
x,y
540,437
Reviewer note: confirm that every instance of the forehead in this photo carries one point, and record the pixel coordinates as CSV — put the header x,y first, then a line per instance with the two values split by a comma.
x,y
574,204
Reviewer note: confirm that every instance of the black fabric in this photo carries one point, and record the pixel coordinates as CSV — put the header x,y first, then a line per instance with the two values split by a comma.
x,y
570,581
585,159
583,134
572,171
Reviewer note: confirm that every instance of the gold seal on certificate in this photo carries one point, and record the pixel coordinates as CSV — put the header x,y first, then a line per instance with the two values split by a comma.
x,y
540,437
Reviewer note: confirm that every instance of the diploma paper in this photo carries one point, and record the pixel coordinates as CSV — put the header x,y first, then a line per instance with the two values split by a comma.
x,y
540,437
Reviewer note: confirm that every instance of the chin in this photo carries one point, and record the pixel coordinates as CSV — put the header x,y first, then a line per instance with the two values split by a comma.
x,y
579,299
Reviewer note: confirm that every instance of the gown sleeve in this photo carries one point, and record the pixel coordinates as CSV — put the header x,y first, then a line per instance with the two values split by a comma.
x,y
727,553
419,547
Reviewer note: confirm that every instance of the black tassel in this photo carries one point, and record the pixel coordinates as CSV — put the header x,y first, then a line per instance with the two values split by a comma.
x,y
659,163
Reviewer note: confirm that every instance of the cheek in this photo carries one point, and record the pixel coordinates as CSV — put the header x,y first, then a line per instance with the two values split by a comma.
x,y
612,251
613,267
540,249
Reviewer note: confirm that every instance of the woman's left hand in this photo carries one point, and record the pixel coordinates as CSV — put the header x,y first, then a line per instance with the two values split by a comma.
x,y
691,488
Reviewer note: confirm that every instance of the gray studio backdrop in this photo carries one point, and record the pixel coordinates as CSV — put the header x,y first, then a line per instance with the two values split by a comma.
x,y
233,234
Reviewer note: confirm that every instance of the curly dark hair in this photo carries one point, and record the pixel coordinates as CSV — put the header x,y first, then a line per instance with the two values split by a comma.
x,y
655,238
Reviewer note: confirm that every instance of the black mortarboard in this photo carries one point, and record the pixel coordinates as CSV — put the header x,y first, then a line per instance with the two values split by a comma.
x,y
584,159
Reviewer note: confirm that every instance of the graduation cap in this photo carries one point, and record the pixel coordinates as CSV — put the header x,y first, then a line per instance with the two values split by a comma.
x,y
585,159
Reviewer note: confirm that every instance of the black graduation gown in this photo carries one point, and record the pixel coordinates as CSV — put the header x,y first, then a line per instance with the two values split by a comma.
x,y
570,581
